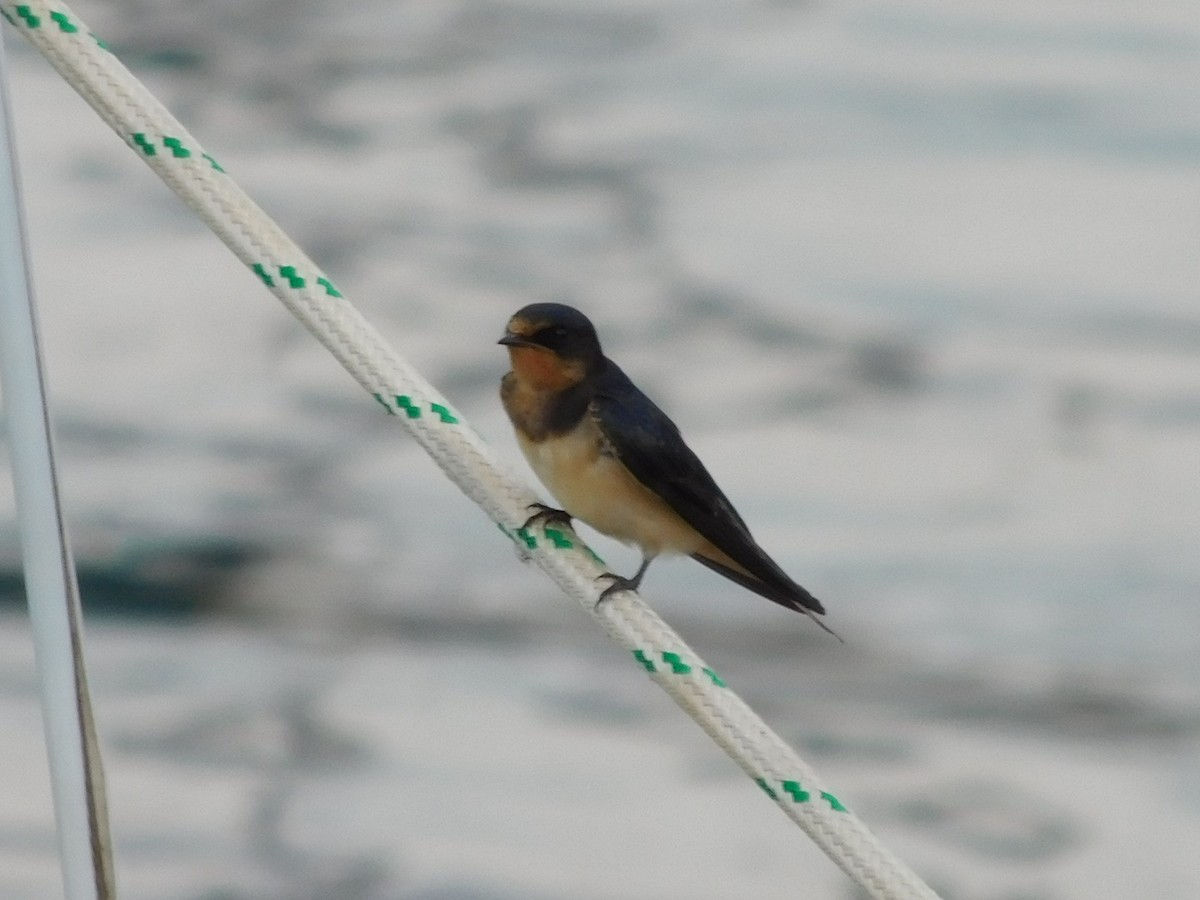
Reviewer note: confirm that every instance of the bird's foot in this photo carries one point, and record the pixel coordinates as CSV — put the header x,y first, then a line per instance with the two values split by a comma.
x,y
547,515
619,583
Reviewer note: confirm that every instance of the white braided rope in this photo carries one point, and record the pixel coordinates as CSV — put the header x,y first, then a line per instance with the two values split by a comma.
x,y
151,131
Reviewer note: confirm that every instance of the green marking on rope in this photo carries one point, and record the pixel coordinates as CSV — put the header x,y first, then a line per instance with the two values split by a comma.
x,y
327,284
175,145
261,271
290,273
675,661
212,162
762,783
560,540
444,414
646,662
834,803
293,279
798,793
28,16
404,401
142,141
410,409
672,659
64,24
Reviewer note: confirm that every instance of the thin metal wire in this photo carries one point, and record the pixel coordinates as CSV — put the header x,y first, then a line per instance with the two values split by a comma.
x,y
50,583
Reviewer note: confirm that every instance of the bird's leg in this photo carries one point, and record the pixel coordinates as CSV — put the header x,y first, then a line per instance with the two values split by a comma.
x,y
547,515
621,583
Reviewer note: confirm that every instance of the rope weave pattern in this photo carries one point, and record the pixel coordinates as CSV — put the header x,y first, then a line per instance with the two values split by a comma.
x,y
163,143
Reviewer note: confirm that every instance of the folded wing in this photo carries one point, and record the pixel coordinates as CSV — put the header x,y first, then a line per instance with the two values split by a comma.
x,y
649,444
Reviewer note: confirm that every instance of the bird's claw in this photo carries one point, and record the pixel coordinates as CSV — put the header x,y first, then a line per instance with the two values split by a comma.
x,y
547,515
619,583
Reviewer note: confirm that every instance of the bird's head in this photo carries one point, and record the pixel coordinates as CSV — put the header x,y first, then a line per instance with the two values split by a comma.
x,y
552,346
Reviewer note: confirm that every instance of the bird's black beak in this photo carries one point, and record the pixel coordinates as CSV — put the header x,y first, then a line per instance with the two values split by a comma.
x,y
513,340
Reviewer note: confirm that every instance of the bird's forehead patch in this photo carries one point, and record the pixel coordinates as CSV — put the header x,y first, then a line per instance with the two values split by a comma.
x,y
519,325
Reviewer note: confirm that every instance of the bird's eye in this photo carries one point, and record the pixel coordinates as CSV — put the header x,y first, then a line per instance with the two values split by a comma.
x,y
553,337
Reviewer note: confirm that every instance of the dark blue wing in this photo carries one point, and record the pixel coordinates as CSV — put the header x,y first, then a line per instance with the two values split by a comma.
x,y
649,444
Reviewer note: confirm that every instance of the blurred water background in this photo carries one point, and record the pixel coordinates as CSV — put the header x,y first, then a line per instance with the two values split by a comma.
x,y
918,280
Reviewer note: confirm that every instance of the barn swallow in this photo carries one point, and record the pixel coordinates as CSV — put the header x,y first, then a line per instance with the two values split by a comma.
x,y
613,459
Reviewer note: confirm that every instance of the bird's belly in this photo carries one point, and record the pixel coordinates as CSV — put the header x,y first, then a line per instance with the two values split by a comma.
x,y
599,490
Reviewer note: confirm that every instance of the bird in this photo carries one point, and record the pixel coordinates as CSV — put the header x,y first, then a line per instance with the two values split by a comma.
x,y
616,461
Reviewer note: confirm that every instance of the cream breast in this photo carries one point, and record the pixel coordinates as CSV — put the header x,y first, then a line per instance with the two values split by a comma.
x,y
593,485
